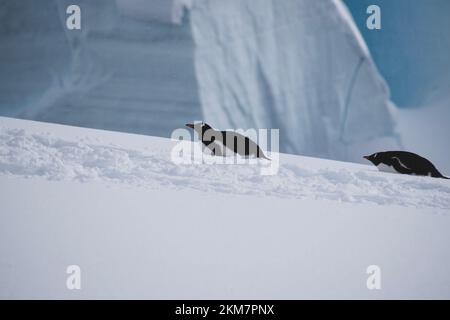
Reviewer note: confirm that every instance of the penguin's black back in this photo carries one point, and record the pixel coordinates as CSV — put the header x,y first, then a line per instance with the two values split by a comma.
x,y
413,162
236,143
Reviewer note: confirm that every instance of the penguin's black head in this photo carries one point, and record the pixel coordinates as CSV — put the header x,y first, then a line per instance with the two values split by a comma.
x,y
374,158
199,127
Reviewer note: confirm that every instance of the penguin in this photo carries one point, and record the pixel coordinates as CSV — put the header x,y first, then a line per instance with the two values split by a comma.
x,y
221,141
405,163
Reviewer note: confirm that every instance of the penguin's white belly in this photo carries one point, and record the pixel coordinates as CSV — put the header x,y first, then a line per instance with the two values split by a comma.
x,y
384,168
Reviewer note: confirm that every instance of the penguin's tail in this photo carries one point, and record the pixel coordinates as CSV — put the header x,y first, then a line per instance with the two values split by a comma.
x,y
262,155
440,175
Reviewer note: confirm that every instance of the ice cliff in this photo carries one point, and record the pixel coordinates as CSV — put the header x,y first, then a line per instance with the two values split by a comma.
x,y
149,66
301,66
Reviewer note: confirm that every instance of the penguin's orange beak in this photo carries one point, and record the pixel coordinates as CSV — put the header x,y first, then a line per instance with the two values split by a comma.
x,y
366,157
190,125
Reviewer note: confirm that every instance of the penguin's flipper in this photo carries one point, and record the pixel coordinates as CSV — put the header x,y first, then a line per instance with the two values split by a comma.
x,y
215,148
400,167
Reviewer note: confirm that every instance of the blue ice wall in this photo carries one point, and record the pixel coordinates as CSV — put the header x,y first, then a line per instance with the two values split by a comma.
x,y
412,49
117,72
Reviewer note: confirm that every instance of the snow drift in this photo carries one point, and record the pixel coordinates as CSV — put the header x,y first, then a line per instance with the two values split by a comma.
x,y
139,226
25,153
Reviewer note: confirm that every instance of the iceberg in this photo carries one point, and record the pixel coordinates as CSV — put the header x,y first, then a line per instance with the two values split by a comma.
x,y
300,66
150,66
168,11
120,72
411,49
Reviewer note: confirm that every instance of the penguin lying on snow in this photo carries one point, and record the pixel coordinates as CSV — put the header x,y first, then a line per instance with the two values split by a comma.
x,y
404,162
220,141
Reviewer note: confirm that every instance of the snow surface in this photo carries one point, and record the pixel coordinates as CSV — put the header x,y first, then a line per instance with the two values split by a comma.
x,y
141,227
43,154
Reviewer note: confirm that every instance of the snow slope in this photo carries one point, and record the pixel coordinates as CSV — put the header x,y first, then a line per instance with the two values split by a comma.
x,y
140,226
26,153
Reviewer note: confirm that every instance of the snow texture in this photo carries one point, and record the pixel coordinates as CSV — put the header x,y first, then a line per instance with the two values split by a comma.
x,y
141,227
43,154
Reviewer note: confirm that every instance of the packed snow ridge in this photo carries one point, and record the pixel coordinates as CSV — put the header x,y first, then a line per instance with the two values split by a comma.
x,y
85,157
